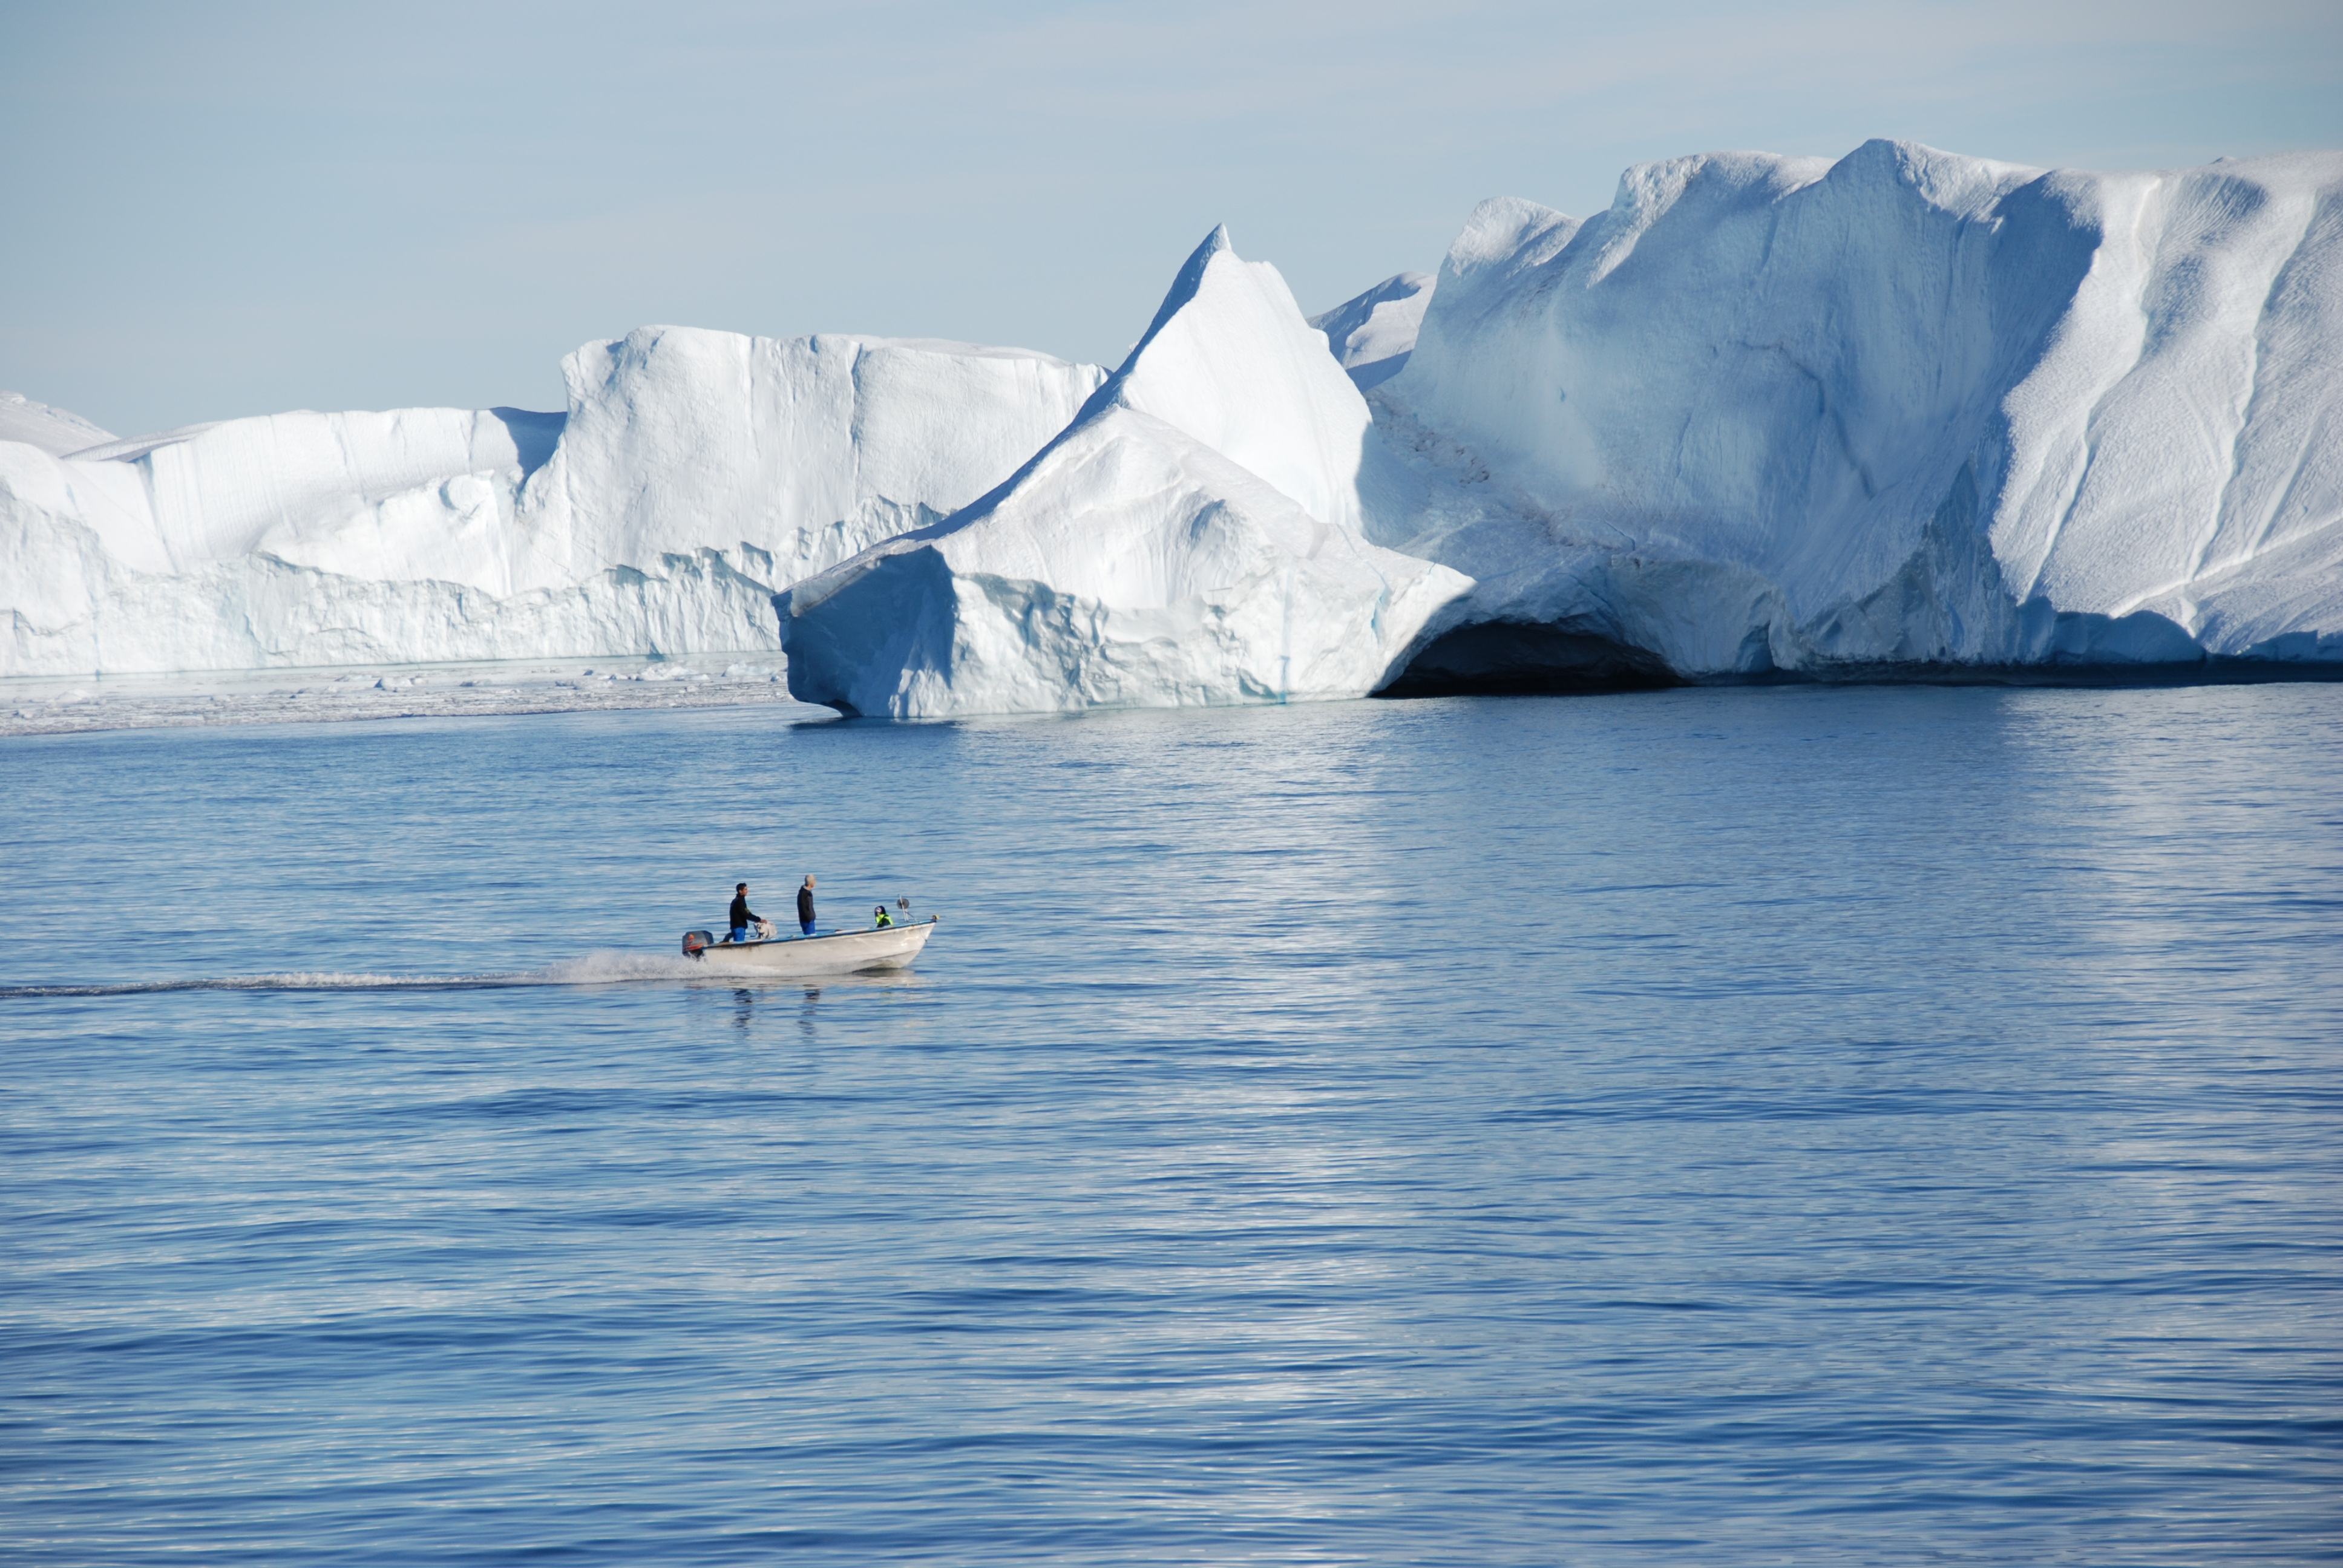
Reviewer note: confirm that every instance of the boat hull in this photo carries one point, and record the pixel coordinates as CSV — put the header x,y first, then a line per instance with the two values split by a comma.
x,y
833,953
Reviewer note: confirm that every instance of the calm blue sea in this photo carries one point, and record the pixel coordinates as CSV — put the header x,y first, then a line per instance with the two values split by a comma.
x,y
1867,1126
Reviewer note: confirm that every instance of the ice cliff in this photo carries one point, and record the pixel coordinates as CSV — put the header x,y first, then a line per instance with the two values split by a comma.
x,y
1193,536
1902,409
693,474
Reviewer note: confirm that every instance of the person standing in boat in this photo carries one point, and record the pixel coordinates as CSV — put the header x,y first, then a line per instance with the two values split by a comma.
x,y
805,906
745,922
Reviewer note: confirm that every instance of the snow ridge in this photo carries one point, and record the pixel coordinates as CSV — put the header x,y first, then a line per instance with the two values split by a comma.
x,y
52,430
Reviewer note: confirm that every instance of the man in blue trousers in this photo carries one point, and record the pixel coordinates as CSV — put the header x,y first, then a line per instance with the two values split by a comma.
x,y
745,922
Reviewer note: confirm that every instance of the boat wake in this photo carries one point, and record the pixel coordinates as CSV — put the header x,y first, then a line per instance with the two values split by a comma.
x,y
593,968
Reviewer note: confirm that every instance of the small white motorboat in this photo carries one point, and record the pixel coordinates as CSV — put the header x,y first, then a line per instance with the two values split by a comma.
x,y
829,953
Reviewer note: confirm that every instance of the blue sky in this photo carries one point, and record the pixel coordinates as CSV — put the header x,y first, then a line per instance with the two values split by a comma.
x,y
235,208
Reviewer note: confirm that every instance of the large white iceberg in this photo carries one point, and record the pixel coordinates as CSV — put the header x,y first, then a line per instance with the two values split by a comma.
x,y
1907,408
693,474
1901,410
1193,538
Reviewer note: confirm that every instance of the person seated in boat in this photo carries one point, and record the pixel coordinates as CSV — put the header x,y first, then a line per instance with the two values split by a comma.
x,y
805,906
746,922
880,918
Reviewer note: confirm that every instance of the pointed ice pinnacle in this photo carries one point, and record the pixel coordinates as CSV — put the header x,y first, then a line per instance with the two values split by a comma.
x,y
1192,537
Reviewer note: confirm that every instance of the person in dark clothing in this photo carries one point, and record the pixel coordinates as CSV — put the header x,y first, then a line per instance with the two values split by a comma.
x,y
805,906
745,921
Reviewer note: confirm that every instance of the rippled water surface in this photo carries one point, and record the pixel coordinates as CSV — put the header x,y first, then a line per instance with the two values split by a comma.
x,y
1863,1125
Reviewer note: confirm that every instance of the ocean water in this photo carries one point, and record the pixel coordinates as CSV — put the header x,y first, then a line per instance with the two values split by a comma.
x,y
1869,1126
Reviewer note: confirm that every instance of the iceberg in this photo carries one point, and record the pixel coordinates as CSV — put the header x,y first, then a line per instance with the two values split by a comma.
x,y
692,474
1905,408
1902,412
1193,536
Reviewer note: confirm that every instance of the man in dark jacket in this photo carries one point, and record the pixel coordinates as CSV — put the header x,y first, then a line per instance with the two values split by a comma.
x,y
744,920
805,906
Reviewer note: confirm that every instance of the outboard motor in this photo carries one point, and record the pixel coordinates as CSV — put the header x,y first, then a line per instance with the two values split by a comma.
x,y
694,941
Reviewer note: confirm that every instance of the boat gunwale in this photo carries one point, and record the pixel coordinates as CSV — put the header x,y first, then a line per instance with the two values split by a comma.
x,y
732,947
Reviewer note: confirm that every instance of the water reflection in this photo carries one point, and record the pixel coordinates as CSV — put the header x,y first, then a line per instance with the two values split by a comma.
x,y
747,1001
